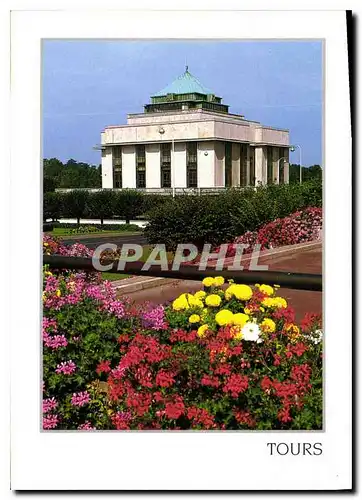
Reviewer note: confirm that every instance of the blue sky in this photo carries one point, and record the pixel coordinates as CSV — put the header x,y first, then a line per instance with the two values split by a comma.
x,y
88,85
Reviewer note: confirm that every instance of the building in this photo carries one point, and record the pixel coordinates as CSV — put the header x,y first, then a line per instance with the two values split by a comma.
x,y
186,138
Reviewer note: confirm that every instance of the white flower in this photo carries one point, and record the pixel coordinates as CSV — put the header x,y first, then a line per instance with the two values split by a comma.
x,y
316,337
251,332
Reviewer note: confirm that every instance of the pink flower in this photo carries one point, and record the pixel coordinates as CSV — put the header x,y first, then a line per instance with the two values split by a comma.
x,y
80,398
50,421
49,405
66,367
87,426
56,341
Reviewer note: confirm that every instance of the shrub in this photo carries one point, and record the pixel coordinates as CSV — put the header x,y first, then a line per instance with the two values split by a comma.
x,y
220,219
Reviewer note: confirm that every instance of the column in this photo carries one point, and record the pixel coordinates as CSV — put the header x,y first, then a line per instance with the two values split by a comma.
x,y
153,166
276,165
107,168
205,164
178,165
260,165
219,164
286,173
248,165
235,163
129,166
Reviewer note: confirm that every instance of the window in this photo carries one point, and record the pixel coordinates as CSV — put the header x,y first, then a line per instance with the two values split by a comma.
x,y
140,166
191,164
243,165
269,162
117,166
252,167
165,159
228,168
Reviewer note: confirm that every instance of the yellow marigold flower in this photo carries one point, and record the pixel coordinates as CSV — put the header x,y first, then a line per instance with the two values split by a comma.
x,y
58,293
262,309
194,301
194,318
240,319
202,330
236,332
219,281
268,325
200,294
269,290
44,296
243,292
229,292
208,281
213,300
46,244
180,303
224,317
280,302
247,310
48,273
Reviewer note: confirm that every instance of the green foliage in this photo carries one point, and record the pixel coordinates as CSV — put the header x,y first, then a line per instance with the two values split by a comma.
x,y
220,219
75,204
72,174
52,203
49,184
101,204
128,204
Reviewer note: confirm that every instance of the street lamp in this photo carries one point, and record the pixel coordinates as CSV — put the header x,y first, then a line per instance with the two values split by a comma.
x,y
161,131
292,149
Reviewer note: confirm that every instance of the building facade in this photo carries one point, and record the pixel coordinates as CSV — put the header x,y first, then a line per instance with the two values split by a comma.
x,y
186,138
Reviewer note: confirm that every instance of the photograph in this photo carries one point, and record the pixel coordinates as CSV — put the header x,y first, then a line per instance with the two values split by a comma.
x,y
183,236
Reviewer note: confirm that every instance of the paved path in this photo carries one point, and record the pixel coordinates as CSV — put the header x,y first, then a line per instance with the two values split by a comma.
x,y
94,242
306,260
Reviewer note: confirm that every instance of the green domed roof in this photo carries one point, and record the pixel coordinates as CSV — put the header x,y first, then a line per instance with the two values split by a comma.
x,y
184,84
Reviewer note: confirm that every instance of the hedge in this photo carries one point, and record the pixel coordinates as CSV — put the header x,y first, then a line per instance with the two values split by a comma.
x,y
220,219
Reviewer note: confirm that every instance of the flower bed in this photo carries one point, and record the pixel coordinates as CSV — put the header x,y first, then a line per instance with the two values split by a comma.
x,y
300,227
224,358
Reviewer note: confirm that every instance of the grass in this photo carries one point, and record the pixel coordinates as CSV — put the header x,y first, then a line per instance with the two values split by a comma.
x,y
114,276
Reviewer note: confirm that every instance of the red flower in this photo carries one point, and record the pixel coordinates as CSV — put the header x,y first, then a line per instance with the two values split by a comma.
x,y
103,367
236,384
174,410
244,418
210,381
164,379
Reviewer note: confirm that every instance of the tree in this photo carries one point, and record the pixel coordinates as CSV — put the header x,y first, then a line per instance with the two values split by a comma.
x,y
101,204
75,204
128,204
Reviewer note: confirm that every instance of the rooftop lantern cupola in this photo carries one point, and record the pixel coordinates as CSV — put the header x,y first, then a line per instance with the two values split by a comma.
x,y
184,93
